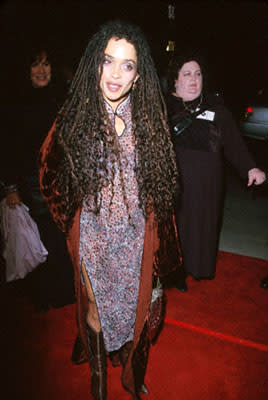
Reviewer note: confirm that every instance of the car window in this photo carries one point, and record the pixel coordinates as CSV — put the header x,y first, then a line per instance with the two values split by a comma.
x,y
259,97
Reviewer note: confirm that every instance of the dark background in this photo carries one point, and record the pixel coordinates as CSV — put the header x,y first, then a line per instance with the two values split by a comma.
x,y
233,36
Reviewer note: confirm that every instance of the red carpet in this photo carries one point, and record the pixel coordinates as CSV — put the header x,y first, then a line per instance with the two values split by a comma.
x,y
213,345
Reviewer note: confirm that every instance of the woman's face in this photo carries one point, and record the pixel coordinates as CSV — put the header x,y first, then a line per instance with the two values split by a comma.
x,y
190,81
119,71
40,72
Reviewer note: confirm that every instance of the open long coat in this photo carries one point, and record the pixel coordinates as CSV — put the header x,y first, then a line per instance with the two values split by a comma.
x,y
161,255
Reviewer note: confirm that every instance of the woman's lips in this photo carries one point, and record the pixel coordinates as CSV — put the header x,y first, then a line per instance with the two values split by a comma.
x,y
113,87
41,77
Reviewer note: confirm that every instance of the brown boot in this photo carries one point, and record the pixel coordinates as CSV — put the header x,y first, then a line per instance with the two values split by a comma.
x,y
124,352
114,357
98,365
140,360
123,356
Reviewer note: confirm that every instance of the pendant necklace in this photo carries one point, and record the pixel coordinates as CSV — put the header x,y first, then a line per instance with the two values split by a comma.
x,y
192,110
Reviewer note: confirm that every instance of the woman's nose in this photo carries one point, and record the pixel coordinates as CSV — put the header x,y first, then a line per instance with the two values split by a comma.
x,y
40,68
116,71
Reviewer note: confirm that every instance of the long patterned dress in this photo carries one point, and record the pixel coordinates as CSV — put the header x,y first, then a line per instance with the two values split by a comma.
x,y
111,244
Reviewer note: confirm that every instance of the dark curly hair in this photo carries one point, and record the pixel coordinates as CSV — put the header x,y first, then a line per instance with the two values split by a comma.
x,y
87,143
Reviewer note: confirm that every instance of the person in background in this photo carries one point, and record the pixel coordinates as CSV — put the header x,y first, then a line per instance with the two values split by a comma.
x,y
204,136
37,102
108,173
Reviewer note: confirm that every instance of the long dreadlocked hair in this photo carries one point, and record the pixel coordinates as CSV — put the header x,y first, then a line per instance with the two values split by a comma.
x,y
88,142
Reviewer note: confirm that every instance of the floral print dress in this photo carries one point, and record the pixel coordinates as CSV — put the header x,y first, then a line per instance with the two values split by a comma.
x,y
111,244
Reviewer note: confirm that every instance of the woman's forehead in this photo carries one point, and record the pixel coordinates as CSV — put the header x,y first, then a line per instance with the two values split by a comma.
x,y
41,57
121,48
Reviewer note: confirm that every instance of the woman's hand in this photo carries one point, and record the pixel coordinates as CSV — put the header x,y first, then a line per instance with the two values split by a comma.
x,y
13,199
256,176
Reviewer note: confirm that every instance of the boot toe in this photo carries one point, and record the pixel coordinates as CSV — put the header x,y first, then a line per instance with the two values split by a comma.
x,y
144,389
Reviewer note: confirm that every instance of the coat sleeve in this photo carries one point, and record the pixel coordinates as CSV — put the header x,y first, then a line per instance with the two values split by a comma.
x,y
48,166
168,255
234,146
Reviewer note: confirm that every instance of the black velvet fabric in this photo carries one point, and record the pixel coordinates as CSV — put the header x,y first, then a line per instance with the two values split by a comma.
x,y
201,151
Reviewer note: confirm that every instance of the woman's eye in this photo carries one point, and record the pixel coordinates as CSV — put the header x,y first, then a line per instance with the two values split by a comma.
x,y
46,64
128,67
106,61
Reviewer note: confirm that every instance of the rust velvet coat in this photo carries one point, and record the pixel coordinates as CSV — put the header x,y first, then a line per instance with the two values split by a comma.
x,y
161,255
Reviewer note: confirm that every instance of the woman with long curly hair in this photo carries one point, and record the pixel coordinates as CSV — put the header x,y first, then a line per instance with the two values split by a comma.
x,y
108,173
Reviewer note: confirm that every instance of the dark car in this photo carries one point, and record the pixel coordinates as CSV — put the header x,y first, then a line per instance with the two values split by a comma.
x,y
254,117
